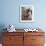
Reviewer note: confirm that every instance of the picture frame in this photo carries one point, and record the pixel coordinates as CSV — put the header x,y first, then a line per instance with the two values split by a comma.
x,y
26,13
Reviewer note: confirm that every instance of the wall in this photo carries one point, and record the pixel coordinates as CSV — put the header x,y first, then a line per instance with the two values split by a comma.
x,y
10,13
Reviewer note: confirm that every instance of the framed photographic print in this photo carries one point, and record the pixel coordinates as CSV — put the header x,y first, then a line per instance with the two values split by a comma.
x,y
26,13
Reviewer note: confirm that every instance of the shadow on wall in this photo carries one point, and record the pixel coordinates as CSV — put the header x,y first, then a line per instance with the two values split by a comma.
x,y
2,26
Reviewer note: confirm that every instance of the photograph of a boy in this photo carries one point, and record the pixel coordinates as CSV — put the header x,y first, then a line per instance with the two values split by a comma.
x,y
26,14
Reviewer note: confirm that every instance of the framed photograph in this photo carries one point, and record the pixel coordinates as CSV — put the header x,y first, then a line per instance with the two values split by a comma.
x,y
26,13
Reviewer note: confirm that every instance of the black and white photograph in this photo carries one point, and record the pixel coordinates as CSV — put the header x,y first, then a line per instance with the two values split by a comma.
x,y
26,13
